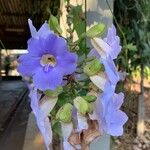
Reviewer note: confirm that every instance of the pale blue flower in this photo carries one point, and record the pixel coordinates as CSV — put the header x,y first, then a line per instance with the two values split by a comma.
x,y
48,58
113,118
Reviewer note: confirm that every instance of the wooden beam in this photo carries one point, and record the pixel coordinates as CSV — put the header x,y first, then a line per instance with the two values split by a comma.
x,y
18,14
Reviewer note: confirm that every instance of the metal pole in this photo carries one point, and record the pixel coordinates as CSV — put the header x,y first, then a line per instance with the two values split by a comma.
x,y
98,11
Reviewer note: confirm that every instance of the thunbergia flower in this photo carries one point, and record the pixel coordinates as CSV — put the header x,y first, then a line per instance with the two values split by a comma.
x,y
48,58
108,47
114,118
107,107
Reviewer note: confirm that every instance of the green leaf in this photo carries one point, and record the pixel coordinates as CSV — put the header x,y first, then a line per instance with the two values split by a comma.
x,y
96,30
131,47
54,24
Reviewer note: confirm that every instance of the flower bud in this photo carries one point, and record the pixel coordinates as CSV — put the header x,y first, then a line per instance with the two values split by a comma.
x,y
90,98
93,67
88,59
55,93
82,105
99,80
64,113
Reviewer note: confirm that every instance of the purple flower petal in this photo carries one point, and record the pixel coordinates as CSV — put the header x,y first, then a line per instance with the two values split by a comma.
x,y
60,46
32,29
28,65
118,117
44,31
118,100
115,130
52,44
41,46
47,80
106,96
93,52
114,41
112,115
67,63
110,70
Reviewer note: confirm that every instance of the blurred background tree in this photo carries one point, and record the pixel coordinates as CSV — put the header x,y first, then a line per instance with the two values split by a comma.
x,y
133,18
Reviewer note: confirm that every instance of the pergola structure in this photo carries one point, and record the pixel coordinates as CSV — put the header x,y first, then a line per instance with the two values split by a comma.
x,y
14,14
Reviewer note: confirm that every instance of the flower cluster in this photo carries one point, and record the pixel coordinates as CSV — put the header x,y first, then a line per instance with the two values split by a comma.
x,y
84,117
111,118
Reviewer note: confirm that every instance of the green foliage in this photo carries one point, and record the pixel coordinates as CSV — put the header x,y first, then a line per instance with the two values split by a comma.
x,y
77,17
134,20
131,47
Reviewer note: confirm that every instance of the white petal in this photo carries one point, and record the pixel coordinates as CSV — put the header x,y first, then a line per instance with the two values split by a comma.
x,y
47,104
82,122
102,47
67,146
67,129
99,81
93,116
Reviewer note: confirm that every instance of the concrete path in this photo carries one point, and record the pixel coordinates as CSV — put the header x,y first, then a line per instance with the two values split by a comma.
x,y
12,138
10,95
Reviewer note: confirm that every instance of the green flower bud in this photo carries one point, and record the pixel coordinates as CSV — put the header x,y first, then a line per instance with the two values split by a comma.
x,y
93,67
64,114
90,98
88,59
96,31
82,105
55,93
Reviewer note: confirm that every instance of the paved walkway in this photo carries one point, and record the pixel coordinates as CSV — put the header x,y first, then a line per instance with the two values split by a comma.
x,y
10,93
12,136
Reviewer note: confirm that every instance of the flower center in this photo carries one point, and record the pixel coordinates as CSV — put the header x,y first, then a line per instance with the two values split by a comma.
x,y
48,59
